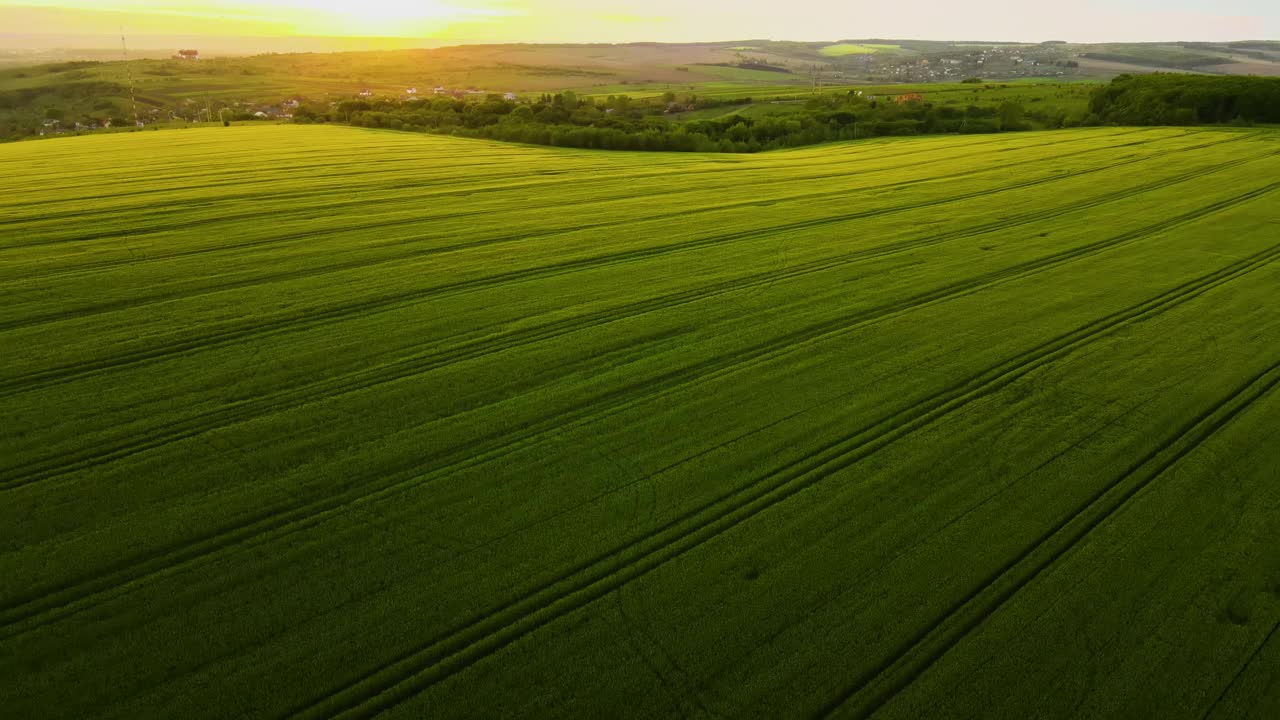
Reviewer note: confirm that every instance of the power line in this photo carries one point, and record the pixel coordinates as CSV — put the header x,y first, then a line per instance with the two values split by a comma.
x,y
133,98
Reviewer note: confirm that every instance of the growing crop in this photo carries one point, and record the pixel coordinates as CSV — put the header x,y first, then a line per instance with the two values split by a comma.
x,y
433,427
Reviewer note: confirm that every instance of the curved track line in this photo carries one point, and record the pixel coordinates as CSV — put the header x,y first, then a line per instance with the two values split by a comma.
x,y
49,604
22,383
418,669
914,657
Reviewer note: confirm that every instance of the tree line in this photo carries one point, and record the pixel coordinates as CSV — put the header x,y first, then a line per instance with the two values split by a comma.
x,y
1173,99
663,123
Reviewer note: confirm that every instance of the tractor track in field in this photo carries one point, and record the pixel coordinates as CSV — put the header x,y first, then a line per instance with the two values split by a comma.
x,y
344,189
400,200
416,365
393,301
164,183
32,381
310,236
1235,677
425,253
50,604
53,377
180,204
419,668
916,655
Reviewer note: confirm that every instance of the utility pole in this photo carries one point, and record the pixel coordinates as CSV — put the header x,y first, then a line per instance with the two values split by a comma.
x,y
133,98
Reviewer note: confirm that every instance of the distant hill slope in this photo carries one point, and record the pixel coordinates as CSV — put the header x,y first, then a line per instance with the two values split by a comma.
x,y
318,422
96,90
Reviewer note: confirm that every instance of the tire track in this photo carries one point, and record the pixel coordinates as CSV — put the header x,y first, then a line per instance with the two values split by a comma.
x,y
42,378
914,657
275,215
41,470
344,190
48,605
382,259
412,254
1240,672
381,167
419,668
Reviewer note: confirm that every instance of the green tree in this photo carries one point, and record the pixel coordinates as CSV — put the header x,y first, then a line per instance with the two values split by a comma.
x,y
1012,116
521,115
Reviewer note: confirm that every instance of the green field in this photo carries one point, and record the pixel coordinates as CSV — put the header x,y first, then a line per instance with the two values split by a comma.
x,y
307,421
842,49
1062,98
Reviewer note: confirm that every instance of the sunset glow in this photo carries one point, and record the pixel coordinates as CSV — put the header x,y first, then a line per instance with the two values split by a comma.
x,y
371,17
653,20
393,18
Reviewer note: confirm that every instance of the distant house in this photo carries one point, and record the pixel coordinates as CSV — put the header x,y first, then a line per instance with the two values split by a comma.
x,y
187,55
366,93
411,91
440,91
910,97
510,96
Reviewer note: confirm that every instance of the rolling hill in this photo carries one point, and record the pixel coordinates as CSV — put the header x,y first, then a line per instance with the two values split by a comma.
x,y
308,421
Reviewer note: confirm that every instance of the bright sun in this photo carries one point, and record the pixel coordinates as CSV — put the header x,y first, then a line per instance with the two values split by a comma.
x,y
372,17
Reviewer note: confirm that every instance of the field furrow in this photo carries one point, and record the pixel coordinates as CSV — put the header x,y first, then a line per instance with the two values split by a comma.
x,y
944,426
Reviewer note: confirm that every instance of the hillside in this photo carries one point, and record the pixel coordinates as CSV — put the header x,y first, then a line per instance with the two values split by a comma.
x,y
312,421
89,90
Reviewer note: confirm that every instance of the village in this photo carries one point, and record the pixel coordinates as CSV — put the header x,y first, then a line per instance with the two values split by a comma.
x,y
989,62
953,64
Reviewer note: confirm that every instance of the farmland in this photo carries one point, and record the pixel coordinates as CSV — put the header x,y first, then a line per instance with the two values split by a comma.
x,y
313,421
840,49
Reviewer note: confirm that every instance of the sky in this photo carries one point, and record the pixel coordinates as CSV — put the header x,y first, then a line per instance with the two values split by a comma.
x,y
658,20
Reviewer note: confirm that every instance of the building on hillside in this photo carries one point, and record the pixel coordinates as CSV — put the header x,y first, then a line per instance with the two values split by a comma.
x,y
909,97
366,93
411,91
187,55
512,97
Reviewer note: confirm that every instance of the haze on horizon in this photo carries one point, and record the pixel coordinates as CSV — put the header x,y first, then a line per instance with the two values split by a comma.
x,y
460,21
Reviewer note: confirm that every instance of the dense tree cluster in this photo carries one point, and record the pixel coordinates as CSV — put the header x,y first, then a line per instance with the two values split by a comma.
x,y
624,123
24,110
1172,99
